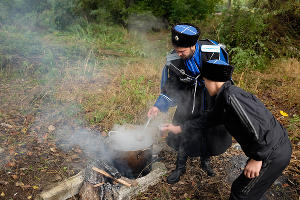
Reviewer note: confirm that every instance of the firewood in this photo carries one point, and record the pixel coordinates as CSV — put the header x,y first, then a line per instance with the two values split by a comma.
x,y
119,180
99,184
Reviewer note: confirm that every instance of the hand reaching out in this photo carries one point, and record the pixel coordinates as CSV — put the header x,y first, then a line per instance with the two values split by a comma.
x,y
171,128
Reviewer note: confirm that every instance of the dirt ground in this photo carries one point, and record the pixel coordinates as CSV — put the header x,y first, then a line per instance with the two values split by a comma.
x,y
32,162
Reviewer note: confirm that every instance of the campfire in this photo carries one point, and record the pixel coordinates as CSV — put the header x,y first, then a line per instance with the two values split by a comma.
x,y
102,181
130,157
127,167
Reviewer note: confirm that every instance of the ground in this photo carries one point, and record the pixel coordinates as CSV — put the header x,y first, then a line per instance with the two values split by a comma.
x,y
33,158
31,163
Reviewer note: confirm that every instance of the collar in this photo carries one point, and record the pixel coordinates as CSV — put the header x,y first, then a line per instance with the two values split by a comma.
x,y
221,90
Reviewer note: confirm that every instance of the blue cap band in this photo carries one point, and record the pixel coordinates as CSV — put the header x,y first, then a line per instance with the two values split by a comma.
x,y
186,29
218,62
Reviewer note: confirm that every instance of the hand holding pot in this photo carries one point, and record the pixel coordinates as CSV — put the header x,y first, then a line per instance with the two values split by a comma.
x,y
170,128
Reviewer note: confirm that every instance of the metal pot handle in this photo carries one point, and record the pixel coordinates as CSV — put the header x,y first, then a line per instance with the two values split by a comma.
x,y
110,132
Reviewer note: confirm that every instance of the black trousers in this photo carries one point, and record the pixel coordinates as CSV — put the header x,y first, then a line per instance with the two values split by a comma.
x,y
244,188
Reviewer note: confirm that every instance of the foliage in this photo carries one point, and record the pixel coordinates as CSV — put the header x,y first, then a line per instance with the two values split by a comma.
x,y
175,11
255,34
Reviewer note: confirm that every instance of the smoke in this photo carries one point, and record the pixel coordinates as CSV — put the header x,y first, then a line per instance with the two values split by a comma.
x,y
141,24
90,142
57,74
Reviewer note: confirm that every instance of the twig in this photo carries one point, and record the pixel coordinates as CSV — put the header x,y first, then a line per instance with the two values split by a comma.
x,y
98,184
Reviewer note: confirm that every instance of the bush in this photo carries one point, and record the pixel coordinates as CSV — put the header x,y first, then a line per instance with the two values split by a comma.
x,y
255,35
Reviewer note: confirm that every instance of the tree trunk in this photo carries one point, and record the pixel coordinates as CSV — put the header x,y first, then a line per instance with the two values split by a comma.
x,y
229,4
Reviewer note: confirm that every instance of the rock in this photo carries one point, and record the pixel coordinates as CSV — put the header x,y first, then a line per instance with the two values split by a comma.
x,y
63,190
73,185
88,192
158,170
237,146
1,150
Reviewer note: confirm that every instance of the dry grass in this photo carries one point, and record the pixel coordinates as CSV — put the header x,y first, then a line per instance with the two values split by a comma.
x,y
127,98
279,89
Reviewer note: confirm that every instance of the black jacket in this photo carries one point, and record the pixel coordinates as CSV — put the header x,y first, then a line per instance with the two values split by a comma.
x,y
247,120
192,103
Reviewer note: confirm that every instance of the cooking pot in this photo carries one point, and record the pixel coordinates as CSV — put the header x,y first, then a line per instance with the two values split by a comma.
x,y
131,151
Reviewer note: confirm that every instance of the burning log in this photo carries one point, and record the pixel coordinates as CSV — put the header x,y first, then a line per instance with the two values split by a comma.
x,y
119,180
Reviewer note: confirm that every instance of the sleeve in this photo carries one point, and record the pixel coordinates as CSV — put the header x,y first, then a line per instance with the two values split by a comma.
x,y
256,120
206,120
243,116
171,87
163,102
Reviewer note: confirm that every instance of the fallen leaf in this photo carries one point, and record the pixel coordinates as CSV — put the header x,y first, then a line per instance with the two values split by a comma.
x,y
14,176
29,197
2,194
51,128
181,182
11,164
285,185
29,153
45,136
53,149
19,184
24,130
283,113
186,195
26,186
11,152
3,182
35,187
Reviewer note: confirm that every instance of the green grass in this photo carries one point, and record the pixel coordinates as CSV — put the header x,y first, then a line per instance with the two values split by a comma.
x,y
294,128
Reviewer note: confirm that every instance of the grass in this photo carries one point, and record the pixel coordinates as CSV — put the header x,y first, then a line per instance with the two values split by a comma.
x,y
126,98
112,76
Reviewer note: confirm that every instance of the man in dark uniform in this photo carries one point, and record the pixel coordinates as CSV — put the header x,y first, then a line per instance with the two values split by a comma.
x,y
181,87
261,136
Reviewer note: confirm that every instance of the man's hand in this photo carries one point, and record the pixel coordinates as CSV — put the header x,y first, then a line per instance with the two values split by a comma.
x,y
153,112
252,168
170,128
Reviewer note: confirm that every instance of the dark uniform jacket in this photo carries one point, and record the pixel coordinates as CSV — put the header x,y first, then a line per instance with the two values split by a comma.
x,y
247,120
192,100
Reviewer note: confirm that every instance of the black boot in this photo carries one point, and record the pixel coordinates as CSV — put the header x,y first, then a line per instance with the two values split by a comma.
x,y
174,177
205,165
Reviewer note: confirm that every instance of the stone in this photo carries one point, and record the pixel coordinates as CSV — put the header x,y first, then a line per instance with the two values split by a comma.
x,y
72,186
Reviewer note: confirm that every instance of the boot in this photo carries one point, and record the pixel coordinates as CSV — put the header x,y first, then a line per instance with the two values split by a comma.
x,y
174,177
205,165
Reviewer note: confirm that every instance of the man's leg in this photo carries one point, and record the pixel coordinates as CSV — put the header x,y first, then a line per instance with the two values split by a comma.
x,y
253,189
174,177
206,166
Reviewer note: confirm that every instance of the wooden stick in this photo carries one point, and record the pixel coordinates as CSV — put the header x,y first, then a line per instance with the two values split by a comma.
x,y
98,184
109,176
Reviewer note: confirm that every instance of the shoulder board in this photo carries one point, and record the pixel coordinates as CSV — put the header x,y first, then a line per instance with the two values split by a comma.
x,y
172,56
210,48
